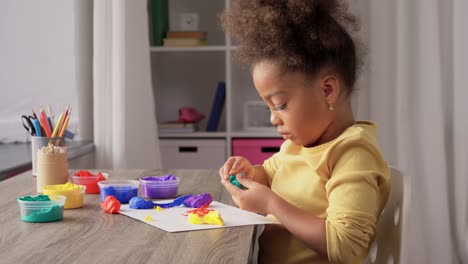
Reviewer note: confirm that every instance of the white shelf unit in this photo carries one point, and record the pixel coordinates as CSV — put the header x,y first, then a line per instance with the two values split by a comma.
x,y
189,49
188,76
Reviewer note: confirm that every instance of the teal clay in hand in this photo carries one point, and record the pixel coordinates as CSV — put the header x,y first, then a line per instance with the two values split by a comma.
x,y
233,180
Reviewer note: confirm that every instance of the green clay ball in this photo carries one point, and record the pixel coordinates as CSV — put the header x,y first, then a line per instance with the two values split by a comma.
x,y
233,180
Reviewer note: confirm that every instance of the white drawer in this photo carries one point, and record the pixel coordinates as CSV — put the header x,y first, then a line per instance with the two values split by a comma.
x,y
193,153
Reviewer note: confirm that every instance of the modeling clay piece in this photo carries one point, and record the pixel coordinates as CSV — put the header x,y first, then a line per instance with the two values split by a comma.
x,y
234,181
198,201
203,215
148,218
111,205
177,201
158,208
40,197
73,192
40,209
195,201
159,187
89,180
168,177
140,203
122,193
211,218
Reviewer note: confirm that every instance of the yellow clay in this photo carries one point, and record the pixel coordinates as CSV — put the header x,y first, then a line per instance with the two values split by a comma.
x,y
158,208
148,218
73,192
212,218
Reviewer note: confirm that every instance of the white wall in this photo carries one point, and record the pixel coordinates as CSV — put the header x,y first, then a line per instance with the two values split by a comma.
x,y
40,61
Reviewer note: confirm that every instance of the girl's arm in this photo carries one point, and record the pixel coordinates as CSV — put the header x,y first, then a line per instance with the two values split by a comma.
x,y
259,198
351,216
308,228
260,175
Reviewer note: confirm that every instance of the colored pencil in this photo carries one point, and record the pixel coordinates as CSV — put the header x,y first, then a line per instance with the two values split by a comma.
x,y
57,126
45,122
40,123
51,115
64,126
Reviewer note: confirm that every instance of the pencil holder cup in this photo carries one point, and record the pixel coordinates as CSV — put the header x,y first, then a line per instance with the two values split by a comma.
x,y
39,142
52,166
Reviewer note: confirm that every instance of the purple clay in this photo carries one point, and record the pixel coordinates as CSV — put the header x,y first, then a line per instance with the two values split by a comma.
x,y
169,177
159,186
199,200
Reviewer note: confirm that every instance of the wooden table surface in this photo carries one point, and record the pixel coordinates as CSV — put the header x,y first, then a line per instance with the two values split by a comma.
x,y
88,235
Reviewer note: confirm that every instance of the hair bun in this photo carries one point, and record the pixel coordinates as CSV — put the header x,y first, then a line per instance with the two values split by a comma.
x,y
318,12
300,35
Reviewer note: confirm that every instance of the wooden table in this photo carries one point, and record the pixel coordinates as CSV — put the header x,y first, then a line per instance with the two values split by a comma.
x,y
88,235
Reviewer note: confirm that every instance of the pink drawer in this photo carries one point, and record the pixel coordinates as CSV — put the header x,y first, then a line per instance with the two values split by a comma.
x,y
256,150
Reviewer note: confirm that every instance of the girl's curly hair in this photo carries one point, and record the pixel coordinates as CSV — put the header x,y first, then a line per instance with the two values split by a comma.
x,y
302,35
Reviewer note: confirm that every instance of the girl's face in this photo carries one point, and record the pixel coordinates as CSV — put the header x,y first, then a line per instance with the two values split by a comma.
x,y
299,107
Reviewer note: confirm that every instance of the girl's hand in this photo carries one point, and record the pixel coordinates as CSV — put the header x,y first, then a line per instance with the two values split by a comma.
x,y
236,165
256,198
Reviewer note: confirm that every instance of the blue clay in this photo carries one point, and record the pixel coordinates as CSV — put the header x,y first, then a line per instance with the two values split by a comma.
x,y
186,200
123,194
140,203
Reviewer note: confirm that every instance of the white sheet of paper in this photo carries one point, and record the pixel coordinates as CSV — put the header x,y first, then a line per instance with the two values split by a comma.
x,y
173,220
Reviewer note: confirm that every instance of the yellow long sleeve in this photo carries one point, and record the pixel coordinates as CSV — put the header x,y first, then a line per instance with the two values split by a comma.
x,y
345,181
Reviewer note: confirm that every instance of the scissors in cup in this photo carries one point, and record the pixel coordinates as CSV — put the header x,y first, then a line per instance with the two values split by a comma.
x,y
28,123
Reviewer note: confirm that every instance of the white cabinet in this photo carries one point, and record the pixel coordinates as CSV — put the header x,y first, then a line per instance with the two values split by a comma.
x,y
192,153
188,76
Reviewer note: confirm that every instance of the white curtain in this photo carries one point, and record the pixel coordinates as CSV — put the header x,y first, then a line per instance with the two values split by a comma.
x,y
415,88
38,63
125,131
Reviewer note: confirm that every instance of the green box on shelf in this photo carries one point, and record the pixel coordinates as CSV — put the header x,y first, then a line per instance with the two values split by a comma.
x,y
159,17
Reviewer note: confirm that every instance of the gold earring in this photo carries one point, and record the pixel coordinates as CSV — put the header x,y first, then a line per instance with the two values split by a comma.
x,y
330,106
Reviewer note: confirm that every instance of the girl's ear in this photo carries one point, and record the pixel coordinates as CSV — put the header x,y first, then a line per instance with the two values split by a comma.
x,y
331,87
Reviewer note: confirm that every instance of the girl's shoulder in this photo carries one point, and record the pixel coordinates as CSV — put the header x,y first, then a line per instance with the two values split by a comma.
x,y
364,132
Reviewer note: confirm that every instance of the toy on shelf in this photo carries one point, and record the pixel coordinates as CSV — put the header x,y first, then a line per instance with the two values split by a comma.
x,y
189,115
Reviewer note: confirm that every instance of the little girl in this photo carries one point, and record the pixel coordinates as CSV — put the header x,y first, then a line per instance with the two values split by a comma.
x,y
329,182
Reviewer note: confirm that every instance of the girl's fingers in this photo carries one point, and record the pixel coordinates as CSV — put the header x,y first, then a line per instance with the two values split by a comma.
x,y
228,166
223,171
244,181
233,190
238,166
233,165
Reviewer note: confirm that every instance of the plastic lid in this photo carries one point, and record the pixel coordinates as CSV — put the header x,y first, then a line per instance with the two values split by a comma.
x,y
121,183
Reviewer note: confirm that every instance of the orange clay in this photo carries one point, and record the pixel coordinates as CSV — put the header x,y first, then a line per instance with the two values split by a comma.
x,y
111,205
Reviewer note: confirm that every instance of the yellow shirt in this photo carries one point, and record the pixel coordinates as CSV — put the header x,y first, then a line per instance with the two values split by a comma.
x,y
345,181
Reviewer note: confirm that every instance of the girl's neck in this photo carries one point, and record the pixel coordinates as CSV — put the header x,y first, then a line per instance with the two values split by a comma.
x,y
344,118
